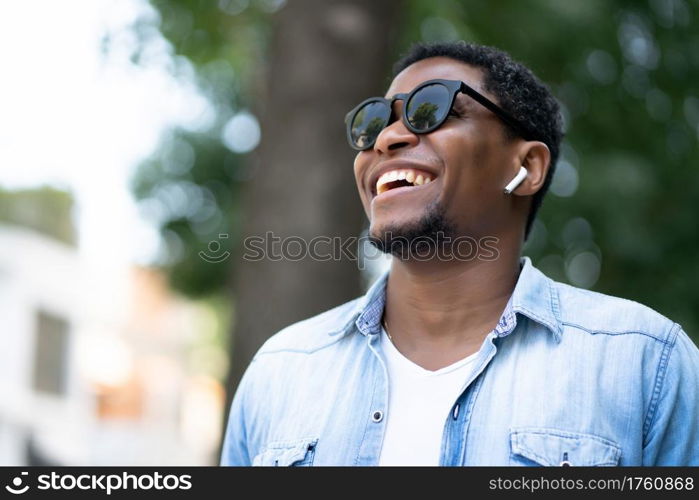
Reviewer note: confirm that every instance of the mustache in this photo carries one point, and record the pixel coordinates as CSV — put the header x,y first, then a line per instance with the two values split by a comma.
x,y
417,158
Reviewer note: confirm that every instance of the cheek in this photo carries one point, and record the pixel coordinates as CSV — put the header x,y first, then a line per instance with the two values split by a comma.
x,y
472,167
359,167
457,155
361,164
357,161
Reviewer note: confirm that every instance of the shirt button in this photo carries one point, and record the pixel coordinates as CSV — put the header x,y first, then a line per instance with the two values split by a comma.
x,y
377,416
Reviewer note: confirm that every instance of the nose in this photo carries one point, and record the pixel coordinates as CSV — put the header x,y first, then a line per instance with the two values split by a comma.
x,y
395,135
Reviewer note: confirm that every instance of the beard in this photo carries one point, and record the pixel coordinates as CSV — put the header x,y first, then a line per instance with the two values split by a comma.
x,y
421,239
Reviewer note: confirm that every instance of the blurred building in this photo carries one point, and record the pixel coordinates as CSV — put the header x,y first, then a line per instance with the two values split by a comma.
x,y
99,371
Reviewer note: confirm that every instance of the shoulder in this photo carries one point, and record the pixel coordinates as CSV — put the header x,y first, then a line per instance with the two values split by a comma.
x,y
312,334
599,313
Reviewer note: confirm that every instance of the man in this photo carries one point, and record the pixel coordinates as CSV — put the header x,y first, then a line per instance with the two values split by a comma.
x,y
455,360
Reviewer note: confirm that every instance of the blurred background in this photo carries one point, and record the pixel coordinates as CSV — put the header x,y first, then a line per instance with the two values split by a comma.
x,y
141,141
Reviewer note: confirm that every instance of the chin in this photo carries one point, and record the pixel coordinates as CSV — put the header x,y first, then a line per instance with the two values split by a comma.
x,y
399,237
383,230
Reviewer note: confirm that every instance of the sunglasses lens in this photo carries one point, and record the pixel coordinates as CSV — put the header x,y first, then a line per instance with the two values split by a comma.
x,y
368,122
428,106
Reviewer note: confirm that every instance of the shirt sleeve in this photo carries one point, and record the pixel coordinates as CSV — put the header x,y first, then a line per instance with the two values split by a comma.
x,y
235,450
673,421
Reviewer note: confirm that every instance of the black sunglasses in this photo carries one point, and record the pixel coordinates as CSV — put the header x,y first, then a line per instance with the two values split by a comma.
x,y
426,108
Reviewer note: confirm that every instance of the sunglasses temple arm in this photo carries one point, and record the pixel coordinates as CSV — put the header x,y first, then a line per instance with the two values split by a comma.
x,y
497,110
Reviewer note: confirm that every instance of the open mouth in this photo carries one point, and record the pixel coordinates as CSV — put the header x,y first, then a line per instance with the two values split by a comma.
x,y
401,178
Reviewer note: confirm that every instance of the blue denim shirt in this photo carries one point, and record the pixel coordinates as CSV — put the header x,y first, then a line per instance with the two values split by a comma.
x,y
566,375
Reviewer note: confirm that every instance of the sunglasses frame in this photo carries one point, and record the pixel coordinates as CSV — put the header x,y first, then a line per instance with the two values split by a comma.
x,y
454,87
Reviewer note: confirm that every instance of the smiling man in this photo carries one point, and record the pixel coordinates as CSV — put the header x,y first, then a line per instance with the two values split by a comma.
x,y
453,359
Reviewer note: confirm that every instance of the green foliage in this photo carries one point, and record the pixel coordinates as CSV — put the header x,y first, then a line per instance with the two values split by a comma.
x,y
46,210
190,187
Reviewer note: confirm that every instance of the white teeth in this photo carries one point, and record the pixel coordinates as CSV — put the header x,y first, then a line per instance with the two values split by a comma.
x,y
411,176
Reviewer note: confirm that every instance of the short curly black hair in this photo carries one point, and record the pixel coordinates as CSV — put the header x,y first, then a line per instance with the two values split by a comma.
x,y
517,91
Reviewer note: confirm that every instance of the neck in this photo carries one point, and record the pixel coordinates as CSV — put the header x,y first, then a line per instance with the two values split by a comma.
x,y
440,311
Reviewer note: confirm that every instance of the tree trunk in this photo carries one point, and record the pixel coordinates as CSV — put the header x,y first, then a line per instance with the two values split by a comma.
x,y
325,57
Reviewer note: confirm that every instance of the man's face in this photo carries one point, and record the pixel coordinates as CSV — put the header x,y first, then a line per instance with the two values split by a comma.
x,y
468,159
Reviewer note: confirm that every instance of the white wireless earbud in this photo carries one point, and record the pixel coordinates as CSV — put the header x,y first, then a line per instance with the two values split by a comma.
x,y
521,175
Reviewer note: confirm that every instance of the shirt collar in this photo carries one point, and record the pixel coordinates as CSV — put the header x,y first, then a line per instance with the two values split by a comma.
x,y
535,296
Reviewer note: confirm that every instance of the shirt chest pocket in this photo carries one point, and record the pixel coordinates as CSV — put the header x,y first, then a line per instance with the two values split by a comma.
x,y
553,447
297,453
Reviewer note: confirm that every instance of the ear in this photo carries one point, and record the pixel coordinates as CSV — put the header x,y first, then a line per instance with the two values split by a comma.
x,y
535,157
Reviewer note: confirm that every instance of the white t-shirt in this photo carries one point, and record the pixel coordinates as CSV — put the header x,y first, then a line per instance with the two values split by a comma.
x,y
419,402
